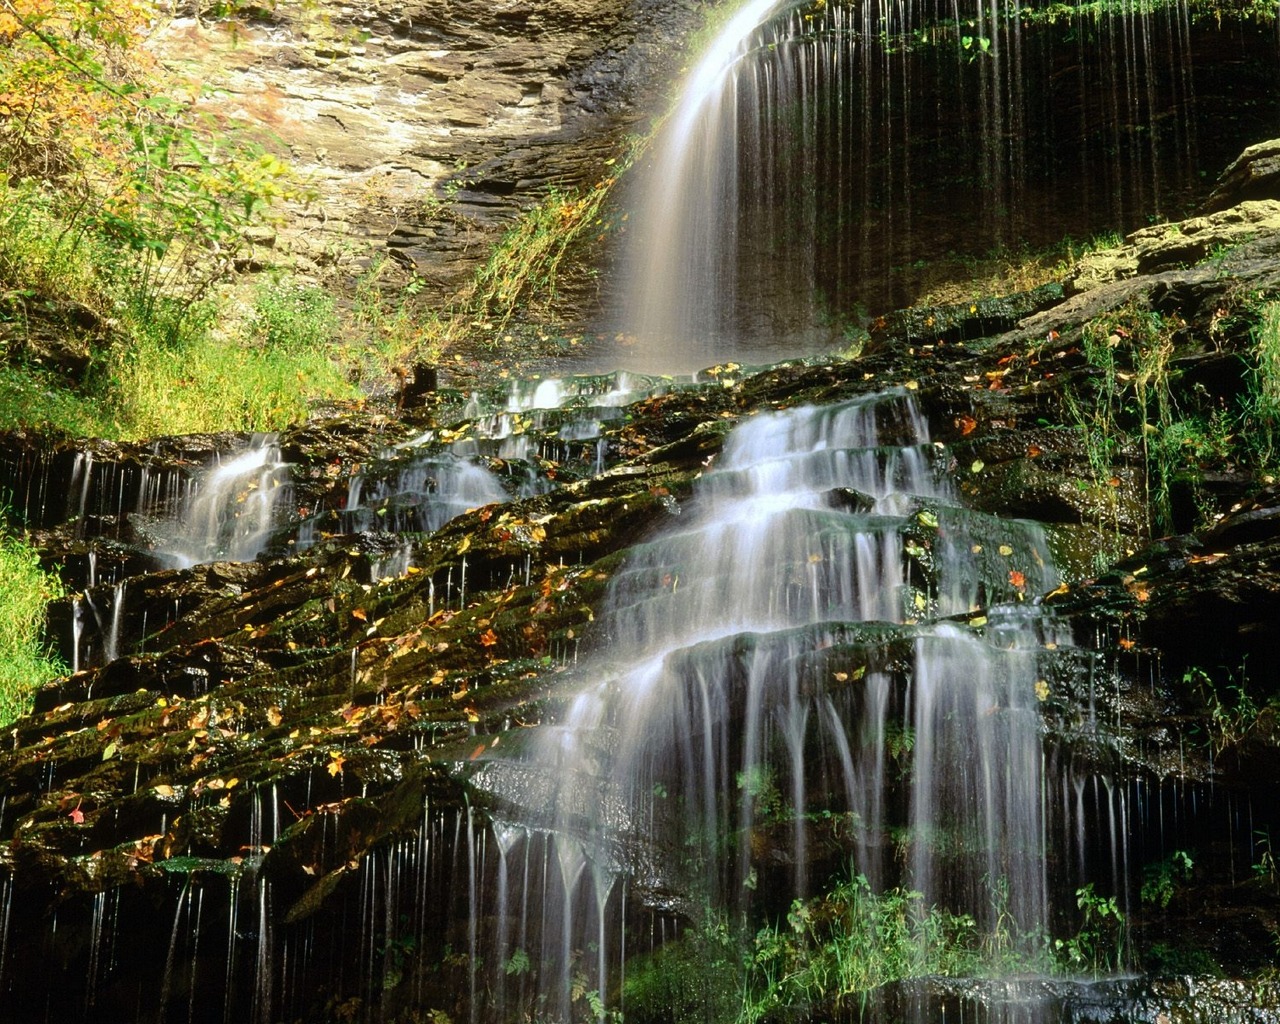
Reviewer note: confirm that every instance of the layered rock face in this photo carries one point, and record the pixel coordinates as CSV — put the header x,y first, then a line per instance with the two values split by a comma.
x,y
421,129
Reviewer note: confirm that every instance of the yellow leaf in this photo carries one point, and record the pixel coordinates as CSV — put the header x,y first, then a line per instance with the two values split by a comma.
x,y
465,545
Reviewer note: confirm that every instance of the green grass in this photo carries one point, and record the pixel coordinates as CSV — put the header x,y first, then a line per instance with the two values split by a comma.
x,y
25,664
164,364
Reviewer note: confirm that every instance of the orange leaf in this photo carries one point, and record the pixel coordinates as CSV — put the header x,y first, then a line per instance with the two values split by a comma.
x,y
477,752
966,424
1017,580
488,638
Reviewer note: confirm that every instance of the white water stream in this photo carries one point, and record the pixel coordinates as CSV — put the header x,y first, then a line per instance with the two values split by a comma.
x,y
755,664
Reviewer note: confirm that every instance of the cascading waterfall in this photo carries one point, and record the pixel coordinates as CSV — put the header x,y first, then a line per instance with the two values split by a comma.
x,y
229,514
825,158
826,601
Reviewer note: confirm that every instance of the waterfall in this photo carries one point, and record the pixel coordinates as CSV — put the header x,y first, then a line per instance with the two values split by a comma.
x,y
827,603
828,161
228,513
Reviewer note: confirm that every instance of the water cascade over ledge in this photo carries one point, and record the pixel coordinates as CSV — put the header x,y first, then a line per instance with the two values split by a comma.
x,y
828,666
825,162
743,697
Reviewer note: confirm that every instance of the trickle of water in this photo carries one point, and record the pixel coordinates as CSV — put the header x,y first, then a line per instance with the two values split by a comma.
x,y
229,513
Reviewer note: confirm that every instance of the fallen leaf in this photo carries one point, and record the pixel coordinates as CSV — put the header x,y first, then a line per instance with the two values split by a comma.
x,y
1017,580
76,815
488,638
1042,690
336,761
477,752
274,715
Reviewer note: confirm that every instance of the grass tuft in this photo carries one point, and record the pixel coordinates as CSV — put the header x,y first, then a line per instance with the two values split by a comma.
x,y
25,663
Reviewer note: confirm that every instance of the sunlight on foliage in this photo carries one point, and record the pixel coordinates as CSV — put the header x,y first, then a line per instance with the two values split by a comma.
x,y
25,664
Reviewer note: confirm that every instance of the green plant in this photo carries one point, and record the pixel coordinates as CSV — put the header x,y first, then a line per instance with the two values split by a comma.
x,y
1233,712
25,661
525,263
1098,946
1264,867
1160,880
695,978
758,786
835,949
293,317
1262,404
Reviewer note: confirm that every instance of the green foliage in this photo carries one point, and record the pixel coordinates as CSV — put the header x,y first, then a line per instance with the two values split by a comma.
x,y
32,397
758,785
1173,959
696,978
525,263
120,198
1233,712
1262,405
25,663
181,375
1265,868
389,330
1099,945
294,317
834,950
1160,880
518,963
